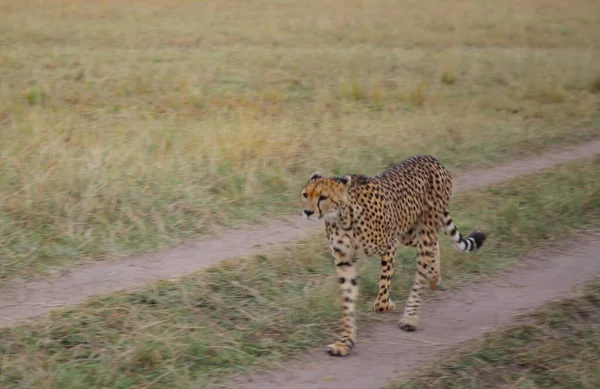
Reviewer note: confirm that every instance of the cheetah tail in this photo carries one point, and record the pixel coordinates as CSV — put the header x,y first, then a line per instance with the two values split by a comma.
x,y
473,242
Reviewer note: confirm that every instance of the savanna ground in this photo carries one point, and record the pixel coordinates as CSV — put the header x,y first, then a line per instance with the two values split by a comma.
x,y
128,127
558,348
254,312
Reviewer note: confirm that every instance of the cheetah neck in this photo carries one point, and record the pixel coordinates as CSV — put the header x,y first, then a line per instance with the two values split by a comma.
x,y
342,216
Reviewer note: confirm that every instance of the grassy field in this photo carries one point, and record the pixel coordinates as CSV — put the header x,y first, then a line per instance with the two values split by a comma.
x,y
559,349
253,312
128,127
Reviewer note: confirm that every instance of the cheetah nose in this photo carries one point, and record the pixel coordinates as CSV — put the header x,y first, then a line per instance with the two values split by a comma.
x,y
308,212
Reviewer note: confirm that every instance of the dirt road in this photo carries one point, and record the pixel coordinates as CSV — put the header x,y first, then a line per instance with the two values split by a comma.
x,y
35,298
462,314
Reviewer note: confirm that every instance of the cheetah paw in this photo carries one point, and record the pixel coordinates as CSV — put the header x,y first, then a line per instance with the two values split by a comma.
x,y
435,281
388,306
408,323
340,349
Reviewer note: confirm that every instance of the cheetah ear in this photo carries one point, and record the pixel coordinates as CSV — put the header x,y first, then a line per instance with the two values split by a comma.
x,y
315,175
346,180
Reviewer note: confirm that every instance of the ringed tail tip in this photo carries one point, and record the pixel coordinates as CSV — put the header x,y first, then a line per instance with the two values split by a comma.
x,y
479,237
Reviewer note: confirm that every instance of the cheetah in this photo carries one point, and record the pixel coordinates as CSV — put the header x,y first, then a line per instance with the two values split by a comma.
x,y
371,215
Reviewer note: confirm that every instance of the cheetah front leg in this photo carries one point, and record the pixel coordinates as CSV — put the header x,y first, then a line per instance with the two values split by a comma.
x,y
427,272
346,271
384,303
435,270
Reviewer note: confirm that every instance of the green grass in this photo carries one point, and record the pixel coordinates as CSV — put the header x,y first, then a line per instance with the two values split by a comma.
x,y
252,312
129,127
560,348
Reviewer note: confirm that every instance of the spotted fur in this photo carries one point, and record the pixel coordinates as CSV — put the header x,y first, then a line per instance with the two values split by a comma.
x,y
365,216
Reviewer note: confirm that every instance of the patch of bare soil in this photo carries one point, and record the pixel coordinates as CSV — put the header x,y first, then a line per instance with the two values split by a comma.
x,y
387,352
32,299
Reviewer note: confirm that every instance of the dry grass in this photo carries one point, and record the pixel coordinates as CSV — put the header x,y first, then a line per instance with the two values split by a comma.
x,y
559,349
125,127
253,312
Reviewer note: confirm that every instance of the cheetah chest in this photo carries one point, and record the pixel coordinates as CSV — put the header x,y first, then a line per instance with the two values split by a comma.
x,y
353,242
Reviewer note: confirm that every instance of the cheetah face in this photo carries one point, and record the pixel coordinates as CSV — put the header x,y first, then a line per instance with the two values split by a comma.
x,y
321,197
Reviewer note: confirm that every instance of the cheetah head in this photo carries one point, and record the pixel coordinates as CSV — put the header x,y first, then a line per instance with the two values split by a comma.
x,y
322,196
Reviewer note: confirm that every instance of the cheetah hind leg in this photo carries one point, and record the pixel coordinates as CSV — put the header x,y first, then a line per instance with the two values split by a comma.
x,y
410,317
427,273
434,274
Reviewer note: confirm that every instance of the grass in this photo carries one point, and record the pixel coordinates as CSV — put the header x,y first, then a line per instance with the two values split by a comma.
x,y
559,348
252,312
129,127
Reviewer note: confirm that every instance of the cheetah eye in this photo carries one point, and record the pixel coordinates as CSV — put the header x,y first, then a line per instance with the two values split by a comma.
x,y
304,195
322,198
